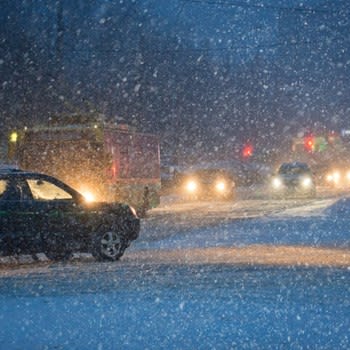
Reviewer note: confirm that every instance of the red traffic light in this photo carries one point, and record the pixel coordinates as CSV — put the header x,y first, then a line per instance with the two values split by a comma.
x,y
247,151
309,143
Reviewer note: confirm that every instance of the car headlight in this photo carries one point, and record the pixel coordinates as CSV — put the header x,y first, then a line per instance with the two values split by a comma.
x,y
276,183
306,182
336,176
191,186
348,175
220,186
133,210
88,195
329,178
333,177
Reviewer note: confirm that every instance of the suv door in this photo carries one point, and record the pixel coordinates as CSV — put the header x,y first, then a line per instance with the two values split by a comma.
x,y
62,218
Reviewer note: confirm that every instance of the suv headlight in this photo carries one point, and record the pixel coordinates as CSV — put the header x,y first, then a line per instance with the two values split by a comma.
x,y
329,178
306,182
276,183
336,176
191,186
333,177
133,210
348,175
220,186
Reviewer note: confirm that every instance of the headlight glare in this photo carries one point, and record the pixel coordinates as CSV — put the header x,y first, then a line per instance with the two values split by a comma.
x,y
329,178
306,182
336,176
88,195
191,186
276,183
220,186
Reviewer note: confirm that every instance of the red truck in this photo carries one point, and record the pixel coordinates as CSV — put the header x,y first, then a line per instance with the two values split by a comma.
x,y
103,161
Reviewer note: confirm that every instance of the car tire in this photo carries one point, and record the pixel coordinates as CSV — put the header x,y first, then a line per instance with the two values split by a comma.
x,y
108,245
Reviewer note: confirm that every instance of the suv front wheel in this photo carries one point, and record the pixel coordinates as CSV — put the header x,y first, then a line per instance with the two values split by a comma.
x,y
108,245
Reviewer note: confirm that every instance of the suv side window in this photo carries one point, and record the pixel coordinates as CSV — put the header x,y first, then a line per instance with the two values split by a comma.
x,y
12,191
45,190
3,187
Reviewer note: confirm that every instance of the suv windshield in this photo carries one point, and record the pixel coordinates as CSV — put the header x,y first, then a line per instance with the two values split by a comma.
x,y
293,169
211,173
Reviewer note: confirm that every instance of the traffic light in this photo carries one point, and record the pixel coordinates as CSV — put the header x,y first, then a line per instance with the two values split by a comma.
x,y
247,151
309,143
13,137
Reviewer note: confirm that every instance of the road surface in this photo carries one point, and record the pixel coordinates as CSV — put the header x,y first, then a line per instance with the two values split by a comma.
x,y
252,274
175,219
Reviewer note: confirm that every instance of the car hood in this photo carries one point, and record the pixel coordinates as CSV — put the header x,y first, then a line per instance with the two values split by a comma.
x,y
104,207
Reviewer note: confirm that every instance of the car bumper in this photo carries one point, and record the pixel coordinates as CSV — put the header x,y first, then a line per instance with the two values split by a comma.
x,y
134,227
293,191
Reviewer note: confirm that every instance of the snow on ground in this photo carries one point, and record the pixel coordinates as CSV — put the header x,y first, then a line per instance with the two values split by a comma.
x,y
320,232
170,304
178,307
321,223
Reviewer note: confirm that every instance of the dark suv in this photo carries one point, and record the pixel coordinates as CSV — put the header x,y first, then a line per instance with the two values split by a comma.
x,y
39,213
294,178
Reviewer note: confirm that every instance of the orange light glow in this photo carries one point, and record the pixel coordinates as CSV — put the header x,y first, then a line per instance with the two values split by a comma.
x,y
89,197
191,186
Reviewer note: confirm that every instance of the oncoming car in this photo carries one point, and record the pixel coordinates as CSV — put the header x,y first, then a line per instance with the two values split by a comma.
x,y
41,214
293,179
208,184
338,178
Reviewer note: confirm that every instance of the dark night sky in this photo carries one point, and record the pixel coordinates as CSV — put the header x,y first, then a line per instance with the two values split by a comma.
x,y
204,75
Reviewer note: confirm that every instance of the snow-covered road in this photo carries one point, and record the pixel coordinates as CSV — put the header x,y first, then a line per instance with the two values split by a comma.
x,y
282,232
174,306
200,276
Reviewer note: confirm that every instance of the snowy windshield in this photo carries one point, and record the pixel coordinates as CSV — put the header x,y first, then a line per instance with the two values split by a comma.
x,y
293,169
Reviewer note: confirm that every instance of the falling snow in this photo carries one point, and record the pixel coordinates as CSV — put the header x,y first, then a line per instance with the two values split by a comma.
x,y
243,86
